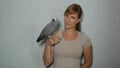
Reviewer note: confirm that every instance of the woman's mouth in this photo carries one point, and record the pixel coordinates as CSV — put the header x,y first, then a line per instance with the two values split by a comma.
x,y
68,24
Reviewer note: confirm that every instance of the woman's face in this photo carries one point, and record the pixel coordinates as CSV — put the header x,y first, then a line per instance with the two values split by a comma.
x,y
70,20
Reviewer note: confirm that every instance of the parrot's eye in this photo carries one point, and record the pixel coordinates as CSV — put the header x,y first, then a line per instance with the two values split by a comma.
x,y
53,20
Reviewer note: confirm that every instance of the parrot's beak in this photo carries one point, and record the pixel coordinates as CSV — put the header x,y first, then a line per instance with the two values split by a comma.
x,y
54,18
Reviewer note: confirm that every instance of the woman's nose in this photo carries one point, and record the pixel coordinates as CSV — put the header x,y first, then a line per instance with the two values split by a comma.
x,y
68,20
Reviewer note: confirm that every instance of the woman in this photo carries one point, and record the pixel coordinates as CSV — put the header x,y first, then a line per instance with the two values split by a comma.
x,y
66,47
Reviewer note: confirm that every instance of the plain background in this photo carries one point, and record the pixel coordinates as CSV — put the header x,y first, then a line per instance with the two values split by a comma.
x,y
21,21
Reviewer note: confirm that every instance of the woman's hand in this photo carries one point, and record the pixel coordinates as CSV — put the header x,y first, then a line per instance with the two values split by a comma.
x,y
53,39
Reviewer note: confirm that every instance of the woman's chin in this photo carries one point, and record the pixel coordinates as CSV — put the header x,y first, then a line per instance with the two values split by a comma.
x,y
67,27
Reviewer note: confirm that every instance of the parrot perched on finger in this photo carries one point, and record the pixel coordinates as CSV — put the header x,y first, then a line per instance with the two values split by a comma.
x,y
49,29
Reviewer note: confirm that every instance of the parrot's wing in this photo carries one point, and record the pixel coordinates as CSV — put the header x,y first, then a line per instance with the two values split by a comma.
x,y
47,30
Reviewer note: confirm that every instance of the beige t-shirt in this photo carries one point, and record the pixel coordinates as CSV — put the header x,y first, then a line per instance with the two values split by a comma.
x,y
67,54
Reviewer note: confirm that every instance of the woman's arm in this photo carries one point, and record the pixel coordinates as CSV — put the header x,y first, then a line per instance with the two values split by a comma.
x,y
48,54
88,57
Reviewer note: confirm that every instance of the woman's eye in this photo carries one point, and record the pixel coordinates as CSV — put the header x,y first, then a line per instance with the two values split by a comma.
x,y
73,17
66,15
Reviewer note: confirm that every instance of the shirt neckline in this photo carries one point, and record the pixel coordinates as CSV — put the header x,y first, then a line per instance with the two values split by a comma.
x,y
69,40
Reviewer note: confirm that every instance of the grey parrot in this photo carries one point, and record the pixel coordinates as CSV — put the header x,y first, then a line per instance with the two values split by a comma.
x,y
49,29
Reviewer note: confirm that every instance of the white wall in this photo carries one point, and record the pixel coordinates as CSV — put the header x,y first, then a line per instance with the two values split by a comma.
x,y
21,21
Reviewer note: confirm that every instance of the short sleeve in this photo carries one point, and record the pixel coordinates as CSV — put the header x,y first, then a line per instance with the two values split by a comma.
x,y
87,41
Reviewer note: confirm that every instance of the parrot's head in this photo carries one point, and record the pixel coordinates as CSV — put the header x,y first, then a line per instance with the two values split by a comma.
x,y
55,22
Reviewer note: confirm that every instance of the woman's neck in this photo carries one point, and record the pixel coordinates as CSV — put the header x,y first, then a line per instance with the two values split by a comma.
x,y
70,31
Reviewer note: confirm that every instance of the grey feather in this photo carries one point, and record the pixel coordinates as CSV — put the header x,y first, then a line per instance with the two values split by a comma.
x,y
49,29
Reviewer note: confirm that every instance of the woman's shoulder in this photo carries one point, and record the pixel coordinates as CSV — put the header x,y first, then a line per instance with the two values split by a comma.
x,y
84,35
86,39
